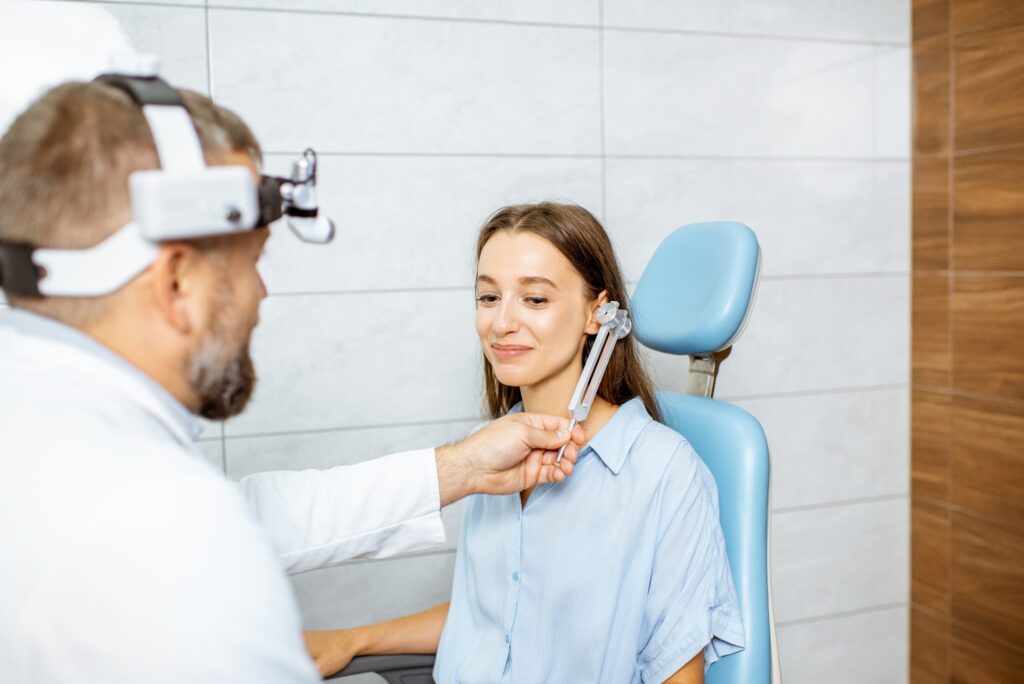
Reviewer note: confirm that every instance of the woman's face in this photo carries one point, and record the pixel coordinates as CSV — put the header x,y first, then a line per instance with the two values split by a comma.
x,y
533,312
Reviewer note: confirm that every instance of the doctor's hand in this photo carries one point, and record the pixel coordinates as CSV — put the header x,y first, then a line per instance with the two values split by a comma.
x,y
510,454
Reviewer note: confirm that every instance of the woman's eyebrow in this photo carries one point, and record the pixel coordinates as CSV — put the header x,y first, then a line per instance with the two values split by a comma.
x,y
525,280
534,280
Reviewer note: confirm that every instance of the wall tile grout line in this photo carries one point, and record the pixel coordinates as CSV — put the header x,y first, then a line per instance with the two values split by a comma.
x,y
602,94
353,428
209,50
842,614
472,419
531,24
840,503
598,155
825,391
630,283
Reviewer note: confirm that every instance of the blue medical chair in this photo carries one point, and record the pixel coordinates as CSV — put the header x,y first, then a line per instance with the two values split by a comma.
x,y
694,299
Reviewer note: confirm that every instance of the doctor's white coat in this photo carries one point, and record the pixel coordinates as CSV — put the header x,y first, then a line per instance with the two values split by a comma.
x,y
126,557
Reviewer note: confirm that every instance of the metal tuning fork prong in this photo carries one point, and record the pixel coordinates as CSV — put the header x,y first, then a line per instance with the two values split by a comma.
x,y
615,325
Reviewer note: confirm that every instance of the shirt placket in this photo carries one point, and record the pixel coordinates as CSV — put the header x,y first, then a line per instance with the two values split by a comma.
x,y
515,555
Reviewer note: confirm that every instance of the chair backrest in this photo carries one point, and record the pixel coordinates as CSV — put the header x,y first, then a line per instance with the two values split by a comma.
x,y
694,298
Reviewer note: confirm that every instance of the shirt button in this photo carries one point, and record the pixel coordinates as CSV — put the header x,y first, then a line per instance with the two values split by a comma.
x,y
508,638
515,576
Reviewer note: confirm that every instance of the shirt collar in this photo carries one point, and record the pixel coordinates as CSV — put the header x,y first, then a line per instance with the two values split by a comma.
x,y
54,331
614,441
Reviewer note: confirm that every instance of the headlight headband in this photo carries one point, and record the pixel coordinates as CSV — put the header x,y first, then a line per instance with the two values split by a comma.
x,y
184,199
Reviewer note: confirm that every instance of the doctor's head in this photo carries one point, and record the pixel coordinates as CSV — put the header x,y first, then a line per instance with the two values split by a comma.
x,y
543,271
187,318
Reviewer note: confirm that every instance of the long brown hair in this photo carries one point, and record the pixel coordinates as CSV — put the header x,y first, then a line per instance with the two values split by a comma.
x,y
580,238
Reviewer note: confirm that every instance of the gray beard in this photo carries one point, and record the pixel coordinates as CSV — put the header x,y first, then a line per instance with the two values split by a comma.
x,y
224,379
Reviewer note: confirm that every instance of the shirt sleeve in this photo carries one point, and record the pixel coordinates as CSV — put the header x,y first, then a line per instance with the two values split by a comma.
x,y
692,602
374,509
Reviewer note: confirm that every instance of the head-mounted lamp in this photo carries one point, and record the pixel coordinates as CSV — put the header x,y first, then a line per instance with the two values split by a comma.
x,y
182,200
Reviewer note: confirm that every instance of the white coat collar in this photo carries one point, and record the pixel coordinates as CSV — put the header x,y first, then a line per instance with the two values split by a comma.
x,y
70,352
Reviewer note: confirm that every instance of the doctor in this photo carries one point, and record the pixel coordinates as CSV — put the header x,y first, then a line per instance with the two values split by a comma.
x,y
124,557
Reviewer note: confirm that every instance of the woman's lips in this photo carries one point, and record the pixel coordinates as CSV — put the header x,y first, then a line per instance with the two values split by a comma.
x,y
505,352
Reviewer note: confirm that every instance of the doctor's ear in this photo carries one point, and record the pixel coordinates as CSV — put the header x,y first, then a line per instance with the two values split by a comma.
x,y
592,325
178,279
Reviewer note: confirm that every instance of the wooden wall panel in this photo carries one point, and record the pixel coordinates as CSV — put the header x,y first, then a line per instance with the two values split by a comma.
x,y
978,660
988,77
988,459
930,553
988,579
931,214
929,647
980,16
967,448
988,195
932,89
930,19
930,339
931,418
988,334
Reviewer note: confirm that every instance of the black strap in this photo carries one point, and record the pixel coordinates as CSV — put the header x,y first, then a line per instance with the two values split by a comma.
x,y
150,90
303,213
269,194
19,275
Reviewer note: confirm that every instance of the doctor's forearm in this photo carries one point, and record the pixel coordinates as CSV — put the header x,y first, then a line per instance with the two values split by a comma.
x,y
454,476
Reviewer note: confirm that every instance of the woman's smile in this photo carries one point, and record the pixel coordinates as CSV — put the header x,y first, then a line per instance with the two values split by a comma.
x,y
507,352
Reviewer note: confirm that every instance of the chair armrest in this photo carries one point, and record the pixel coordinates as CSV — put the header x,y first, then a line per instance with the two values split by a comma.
x,y
395,669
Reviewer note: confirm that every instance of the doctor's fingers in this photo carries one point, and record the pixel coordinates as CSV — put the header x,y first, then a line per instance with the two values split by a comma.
x,y
556,472
547,440
553,425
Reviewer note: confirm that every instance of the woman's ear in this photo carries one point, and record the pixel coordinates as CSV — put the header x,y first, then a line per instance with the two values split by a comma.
x,y
592,325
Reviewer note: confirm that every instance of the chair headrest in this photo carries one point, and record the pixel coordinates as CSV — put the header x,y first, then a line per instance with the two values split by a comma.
x,y
698,289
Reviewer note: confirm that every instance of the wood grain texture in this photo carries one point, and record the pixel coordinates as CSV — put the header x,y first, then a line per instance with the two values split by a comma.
x,y
930,420
931,216
988,77
931,361
988,191
983,16
929,648
988,579
988,459
988,329
929,559
929,18
978,660
932,126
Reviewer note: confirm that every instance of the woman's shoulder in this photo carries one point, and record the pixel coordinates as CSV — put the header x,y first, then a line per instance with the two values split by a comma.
x,y
665,450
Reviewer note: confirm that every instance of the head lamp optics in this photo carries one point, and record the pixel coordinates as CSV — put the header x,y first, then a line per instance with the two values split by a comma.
x,y
182,200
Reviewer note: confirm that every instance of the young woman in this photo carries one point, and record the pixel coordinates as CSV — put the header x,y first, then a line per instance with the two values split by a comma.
x,y
618,574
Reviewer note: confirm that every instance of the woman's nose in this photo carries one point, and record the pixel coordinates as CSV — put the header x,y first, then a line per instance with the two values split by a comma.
x,y
506,321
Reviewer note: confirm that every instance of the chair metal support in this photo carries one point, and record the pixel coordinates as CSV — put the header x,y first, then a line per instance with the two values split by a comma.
x,y
704,372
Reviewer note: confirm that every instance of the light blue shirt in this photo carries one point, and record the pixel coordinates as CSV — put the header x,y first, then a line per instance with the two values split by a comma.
x,y
619,574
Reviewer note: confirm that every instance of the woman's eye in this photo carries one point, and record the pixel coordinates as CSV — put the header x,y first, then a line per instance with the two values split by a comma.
x,y
487,298
537,301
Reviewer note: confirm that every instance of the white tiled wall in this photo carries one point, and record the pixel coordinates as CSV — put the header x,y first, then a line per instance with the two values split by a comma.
x,y
791,116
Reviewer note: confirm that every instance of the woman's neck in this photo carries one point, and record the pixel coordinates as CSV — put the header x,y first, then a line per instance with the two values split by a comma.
x,y
551,397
